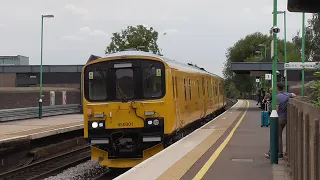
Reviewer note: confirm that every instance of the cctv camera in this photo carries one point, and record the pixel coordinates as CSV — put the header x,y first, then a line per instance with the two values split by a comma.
x,y
275,30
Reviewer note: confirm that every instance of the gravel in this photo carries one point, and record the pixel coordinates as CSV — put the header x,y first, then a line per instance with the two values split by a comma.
x,y
86,170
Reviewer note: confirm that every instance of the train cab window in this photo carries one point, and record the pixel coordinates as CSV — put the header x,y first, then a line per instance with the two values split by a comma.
x,y
151,83
185,89
124,83
190,88
97,84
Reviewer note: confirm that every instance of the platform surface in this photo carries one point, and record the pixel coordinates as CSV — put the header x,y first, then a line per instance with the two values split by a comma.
x,y
231,147
36,128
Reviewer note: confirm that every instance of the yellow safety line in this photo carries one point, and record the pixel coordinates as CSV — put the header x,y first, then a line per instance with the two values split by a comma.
x,y
216,154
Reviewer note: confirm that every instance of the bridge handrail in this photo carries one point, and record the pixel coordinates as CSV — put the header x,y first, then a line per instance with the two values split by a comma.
x,y
33,112
302,138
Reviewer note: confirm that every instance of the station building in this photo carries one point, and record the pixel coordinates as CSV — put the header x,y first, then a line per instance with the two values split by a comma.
x,y
15,71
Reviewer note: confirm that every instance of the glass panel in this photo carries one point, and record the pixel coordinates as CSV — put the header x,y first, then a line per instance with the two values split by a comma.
x,y
152,84
98,84
124,84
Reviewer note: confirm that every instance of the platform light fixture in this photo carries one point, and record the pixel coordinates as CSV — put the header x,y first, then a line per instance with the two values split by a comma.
x,y
40,99
285,44
265,49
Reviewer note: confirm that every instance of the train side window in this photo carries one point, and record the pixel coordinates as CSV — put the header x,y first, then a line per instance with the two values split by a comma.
x,y
203,89
190,88
215,88
212,88
177,84
198,84
208,89
185,89
173,87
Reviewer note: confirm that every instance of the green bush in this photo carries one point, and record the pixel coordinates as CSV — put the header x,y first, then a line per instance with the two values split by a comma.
x,y
232,91
315,95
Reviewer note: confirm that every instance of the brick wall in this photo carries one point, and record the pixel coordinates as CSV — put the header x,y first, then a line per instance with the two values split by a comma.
x,y
29,97
7,80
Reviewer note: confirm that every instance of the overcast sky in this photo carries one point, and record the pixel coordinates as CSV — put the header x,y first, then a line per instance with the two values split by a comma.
x,y
197,31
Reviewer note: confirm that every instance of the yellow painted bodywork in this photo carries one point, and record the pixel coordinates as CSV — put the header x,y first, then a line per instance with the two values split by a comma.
x,y
102,157
177,108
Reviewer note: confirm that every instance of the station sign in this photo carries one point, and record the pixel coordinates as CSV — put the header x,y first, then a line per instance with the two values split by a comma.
x,y
268,76
300,65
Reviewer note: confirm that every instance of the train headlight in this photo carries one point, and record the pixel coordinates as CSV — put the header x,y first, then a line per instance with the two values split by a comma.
x,y
100,124
94,125
156,122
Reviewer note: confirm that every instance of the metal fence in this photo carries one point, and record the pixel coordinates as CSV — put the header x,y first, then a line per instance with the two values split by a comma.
x,y
33,112
252,96
303,137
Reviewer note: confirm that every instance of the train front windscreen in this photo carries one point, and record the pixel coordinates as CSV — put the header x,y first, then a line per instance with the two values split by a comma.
x,y
124,80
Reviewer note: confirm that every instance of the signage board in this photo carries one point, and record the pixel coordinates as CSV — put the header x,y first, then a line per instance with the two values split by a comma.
x,y
64,97
268,76
300,65
52,98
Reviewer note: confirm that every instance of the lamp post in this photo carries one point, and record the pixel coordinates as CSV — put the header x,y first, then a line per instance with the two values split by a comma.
x,y
303,51
265,49
285,45
274,115
259,52
40,99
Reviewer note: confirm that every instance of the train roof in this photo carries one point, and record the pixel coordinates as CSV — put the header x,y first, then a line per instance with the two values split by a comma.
x,y
172,63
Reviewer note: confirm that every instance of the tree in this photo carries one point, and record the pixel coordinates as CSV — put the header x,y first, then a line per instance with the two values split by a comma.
x,y
312,40
244,50
139,37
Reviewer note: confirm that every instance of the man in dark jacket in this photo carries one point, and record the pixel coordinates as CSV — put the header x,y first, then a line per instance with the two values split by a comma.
x,y
282,101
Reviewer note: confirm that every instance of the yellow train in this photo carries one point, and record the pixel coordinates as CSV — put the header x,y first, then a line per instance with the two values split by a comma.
x,y
136,103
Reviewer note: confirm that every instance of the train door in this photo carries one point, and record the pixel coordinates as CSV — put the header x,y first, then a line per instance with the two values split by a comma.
x,y
176,100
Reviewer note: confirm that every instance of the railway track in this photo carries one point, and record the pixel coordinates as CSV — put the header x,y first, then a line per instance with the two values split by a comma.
x,y
49,166
111,174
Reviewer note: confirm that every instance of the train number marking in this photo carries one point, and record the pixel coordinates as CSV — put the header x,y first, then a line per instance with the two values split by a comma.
x,y
125,124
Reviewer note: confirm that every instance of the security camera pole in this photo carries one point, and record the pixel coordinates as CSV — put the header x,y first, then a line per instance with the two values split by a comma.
x,y
274,114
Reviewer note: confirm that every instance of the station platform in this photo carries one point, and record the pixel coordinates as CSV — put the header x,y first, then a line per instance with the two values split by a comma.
x,y
230,147
38,128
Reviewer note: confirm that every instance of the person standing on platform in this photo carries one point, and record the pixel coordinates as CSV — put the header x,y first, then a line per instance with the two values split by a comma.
x,y
259,95
282,101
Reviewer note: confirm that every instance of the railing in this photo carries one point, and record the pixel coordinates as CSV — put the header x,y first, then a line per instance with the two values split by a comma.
x,y
251,96
33,112
303,137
